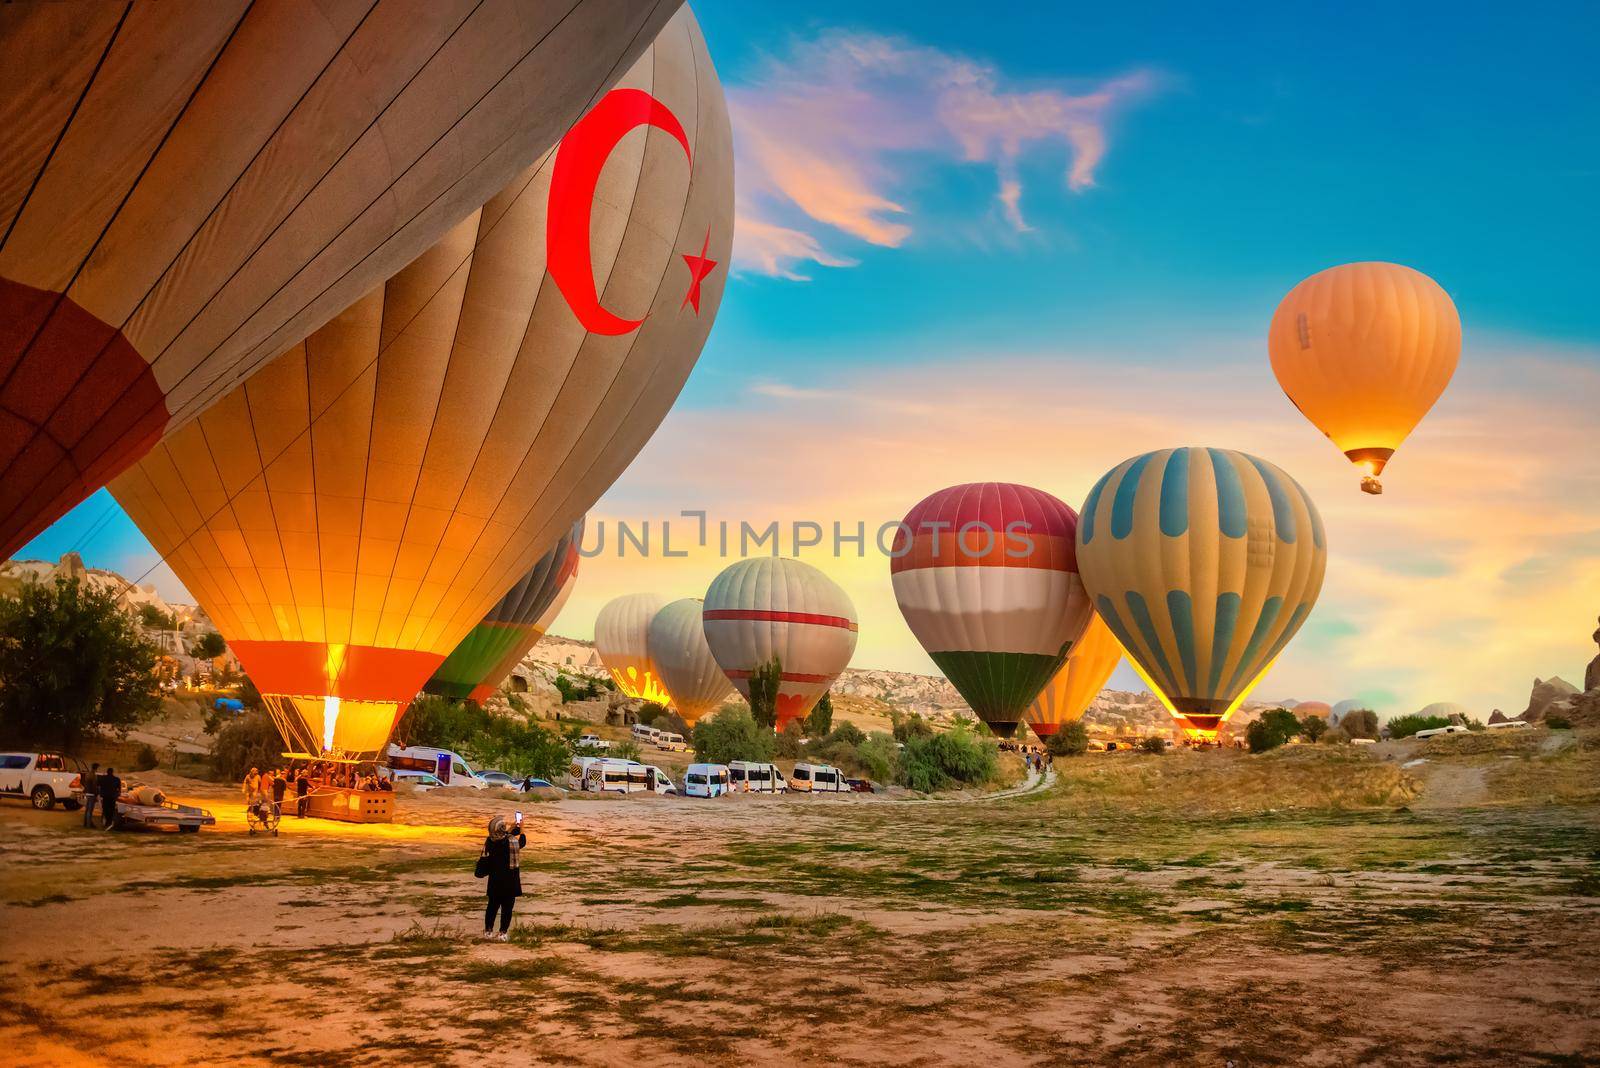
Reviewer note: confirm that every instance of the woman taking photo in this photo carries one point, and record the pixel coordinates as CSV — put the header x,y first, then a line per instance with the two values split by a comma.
x,y
498,865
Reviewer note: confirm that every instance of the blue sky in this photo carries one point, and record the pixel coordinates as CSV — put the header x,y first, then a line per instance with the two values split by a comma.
x,y
1238,152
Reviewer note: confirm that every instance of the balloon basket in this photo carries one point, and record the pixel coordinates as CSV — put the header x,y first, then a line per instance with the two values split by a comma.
x,y
349,806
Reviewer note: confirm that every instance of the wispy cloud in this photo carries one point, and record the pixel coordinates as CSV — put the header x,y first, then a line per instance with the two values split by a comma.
x,y
826,133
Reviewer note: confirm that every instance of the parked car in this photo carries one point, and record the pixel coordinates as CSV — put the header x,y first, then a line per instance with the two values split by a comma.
x,y
538,784
593,741
421,781
1434,732
497,778
706,780
860,786
42,778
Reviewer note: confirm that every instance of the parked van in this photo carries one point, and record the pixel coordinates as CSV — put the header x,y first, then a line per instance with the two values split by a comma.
x,y
661,783
751,777
671,742
707,780
616,776
1434,732
450,768
818,779
645,734
1511,725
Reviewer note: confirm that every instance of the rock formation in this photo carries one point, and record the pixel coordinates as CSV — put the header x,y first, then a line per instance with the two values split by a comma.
x,y
1545,692
1591,677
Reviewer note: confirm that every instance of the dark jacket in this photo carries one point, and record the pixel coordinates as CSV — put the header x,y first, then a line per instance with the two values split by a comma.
x,y
504,880
279,788
109,786
302,786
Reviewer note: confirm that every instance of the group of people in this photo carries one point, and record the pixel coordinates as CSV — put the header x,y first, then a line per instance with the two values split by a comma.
x,y
104,789
272,786
1037,760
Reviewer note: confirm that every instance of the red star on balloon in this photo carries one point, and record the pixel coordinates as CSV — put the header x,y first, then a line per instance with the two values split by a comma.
x,y
699,267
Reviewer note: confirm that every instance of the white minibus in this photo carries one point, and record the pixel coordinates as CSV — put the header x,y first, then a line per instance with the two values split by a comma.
x,y
752,777
818,779
706,780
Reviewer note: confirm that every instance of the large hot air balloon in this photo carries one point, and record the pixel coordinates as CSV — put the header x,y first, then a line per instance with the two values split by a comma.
x,y
678,649
353,510
187,188
986,577
513,626
772,609
1077,682
622,638
1204,563
1364,350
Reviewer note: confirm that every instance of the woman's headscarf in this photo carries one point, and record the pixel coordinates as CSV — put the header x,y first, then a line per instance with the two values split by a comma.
x,y
500,830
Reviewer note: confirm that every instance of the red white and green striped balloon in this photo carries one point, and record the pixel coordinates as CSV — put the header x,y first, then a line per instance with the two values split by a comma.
x,y
772,607
986,575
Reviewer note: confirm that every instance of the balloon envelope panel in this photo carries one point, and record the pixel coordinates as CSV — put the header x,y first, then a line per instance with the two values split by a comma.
x,y
679,651
765,609
1204,563
354,509
1067,695
188,188
987,578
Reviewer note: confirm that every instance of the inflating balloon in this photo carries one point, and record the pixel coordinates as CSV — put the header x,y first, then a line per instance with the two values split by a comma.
x,y
773,610
476,667
1204,563
622,640
354,509
1364,350
679,652
1077,682
189,188
986,577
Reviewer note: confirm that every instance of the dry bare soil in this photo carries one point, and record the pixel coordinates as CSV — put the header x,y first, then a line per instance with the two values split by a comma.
x,y
1304,907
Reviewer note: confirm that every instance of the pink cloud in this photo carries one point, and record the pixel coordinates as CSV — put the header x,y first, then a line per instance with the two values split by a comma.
x,y
825,134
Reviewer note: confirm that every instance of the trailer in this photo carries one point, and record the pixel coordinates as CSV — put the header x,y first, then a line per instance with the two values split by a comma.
x,y
148,809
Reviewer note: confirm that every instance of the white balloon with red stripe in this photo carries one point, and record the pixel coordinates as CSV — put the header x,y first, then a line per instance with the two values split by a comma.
x,y
771,607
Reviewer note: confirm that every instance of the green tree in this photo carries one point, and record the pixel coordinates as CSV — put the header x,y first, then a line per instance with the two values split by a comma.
x,y
244,742
1360,723
789,740
732,734
1275,727
1154,744
820,721
909,726
154,618
764,682
208,646
955,758
71,663
1070,740
1312,727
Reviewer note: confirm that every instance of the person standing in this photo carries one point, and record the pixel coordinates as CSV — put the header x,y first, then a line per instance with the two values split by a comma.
x,y
499,864
109,790
280,786
302,787
91,794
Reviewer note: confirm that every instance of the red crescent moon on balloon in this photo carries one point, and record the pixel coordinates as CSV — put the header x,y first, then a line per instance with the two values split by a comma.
x,y
579,159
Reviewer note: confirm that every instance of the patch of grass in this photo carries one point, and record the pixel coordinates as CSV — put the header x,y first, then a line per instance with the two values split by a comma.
x,y
517,969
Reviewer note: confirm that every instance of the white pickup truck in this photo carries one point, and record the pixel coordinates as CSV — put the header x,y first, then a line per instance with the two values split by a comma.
x,y
42,778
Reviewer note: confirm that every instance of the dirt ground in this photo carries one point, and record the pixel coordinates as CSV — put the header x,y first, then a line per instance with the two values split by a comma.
x,y
1306,907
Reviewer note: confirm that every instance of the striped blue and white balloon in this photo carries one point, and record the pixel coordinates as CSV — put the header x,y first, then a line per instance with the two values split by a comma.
x,y
1204,563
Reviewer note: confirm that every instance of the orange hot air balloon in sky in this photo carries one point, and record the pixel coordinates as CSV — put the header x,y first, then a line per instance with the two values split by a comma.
x,y
187,188
1067,695
1364,350
352,511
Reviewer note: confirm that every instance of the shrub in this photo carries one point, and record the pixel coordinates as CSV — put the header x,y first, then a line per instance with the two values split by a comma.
x,y
243,742
732,734
582,688
909,726
1154,744
1071,740
1312,727
956,757
1406,726
626,750
146,760
1360,723
789,740
820,721
878,756
1335,736
71,663
208,646
154,618
1274,728
650,711
1558,723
